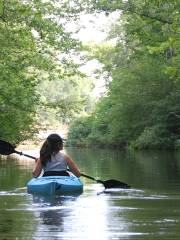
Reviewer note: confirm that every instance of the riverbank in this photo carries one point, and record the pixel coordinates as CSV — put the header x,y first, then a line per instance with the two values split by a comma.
x,y
86,144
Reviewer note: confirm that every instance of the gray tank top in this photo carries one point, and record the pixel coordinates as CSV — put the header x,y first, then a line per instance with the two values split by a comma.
x,y
57,163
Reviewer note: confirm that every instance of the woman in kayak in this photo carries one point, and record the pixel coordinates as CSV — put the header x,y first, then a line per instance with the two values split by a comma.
x,y
52,161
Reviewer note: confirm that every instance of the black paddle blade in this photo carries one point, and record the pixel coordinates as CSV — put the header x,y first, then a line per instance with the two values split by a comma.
x,y
111,183
6,148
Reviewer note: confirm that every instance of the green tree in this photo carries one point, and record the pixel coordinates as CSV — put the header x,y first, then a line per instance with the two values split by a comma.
x,y
144,92
34,47
64,100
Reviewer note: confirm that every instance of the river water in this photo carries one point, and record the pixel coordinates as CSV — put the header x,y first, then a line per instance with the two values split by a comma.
x,y
149,210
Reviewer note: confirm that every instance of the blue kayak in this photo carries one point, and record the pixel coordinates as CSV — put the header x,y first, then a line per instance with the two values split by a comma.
x,y
52,185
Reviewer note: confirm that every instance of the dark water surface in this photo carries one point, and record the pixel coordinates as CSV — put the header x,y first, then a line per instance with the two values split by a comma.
x,y
149,210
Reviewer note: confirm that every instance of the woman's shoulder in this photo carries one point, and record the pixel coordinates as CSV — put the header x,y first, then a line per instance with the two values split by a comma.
x,y
61,154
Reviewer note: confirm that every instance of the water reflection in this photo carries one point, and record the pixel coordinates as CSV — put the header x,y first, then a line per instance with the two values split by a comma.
x,y
91,216
149,210
114,214
50,213
82,217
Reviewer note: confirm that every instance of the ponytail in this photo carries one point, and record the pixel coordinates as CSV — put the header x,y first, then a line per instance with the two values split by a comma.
x,y
45,153
52,145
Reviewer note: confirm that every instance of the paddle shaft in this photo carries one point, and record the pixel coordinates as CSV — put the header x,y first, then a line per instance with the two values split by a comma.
x,y
84,175
7,149
97,180
111,183
26,155
107,184
29,156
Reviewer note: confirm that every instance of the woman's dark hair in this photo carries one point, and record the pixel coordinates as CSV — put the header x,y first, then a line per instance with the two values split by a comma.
x,y
52,145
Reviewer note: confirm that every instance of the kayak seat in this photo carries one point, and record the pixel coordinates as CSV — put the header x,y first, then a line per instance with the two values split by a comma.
x,y
55,173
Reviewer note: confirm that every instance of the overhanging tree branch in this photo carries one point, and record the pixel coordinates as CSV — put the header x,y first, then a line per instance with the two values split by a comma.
x,y
126,7
146,15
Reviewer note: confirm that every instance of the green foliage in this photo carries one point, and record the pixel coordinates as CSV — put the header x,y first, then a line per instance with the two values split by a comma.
x,y
177,144
63,100
154,137
144,94
79,131
40,82
35,47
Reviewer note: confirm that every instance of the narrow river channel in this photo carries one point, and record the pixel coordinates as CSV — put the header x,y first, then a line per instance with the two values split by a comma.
x,y
149,210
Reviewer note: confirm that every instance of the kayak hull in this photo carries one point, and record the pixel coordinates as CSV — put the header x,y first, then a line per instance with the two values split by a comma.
x,y
52,185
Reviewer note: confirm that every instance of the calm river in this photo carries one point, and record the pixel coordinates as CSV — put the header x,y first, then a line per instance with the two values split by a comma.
x,y
149,210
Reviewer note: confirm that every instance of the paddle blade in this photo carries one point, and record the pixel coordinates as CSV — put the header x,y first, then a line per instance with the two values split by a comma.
x,y
111,183
6,148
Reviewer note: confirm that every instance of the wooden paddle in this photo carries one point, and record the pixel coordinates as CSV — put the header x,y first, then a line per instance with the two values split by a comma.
x,y
7,149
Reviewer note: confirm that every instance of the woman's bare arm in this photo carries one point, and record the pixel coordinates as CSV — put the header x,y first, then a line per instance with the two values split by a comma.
x,y
37,168
73,167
